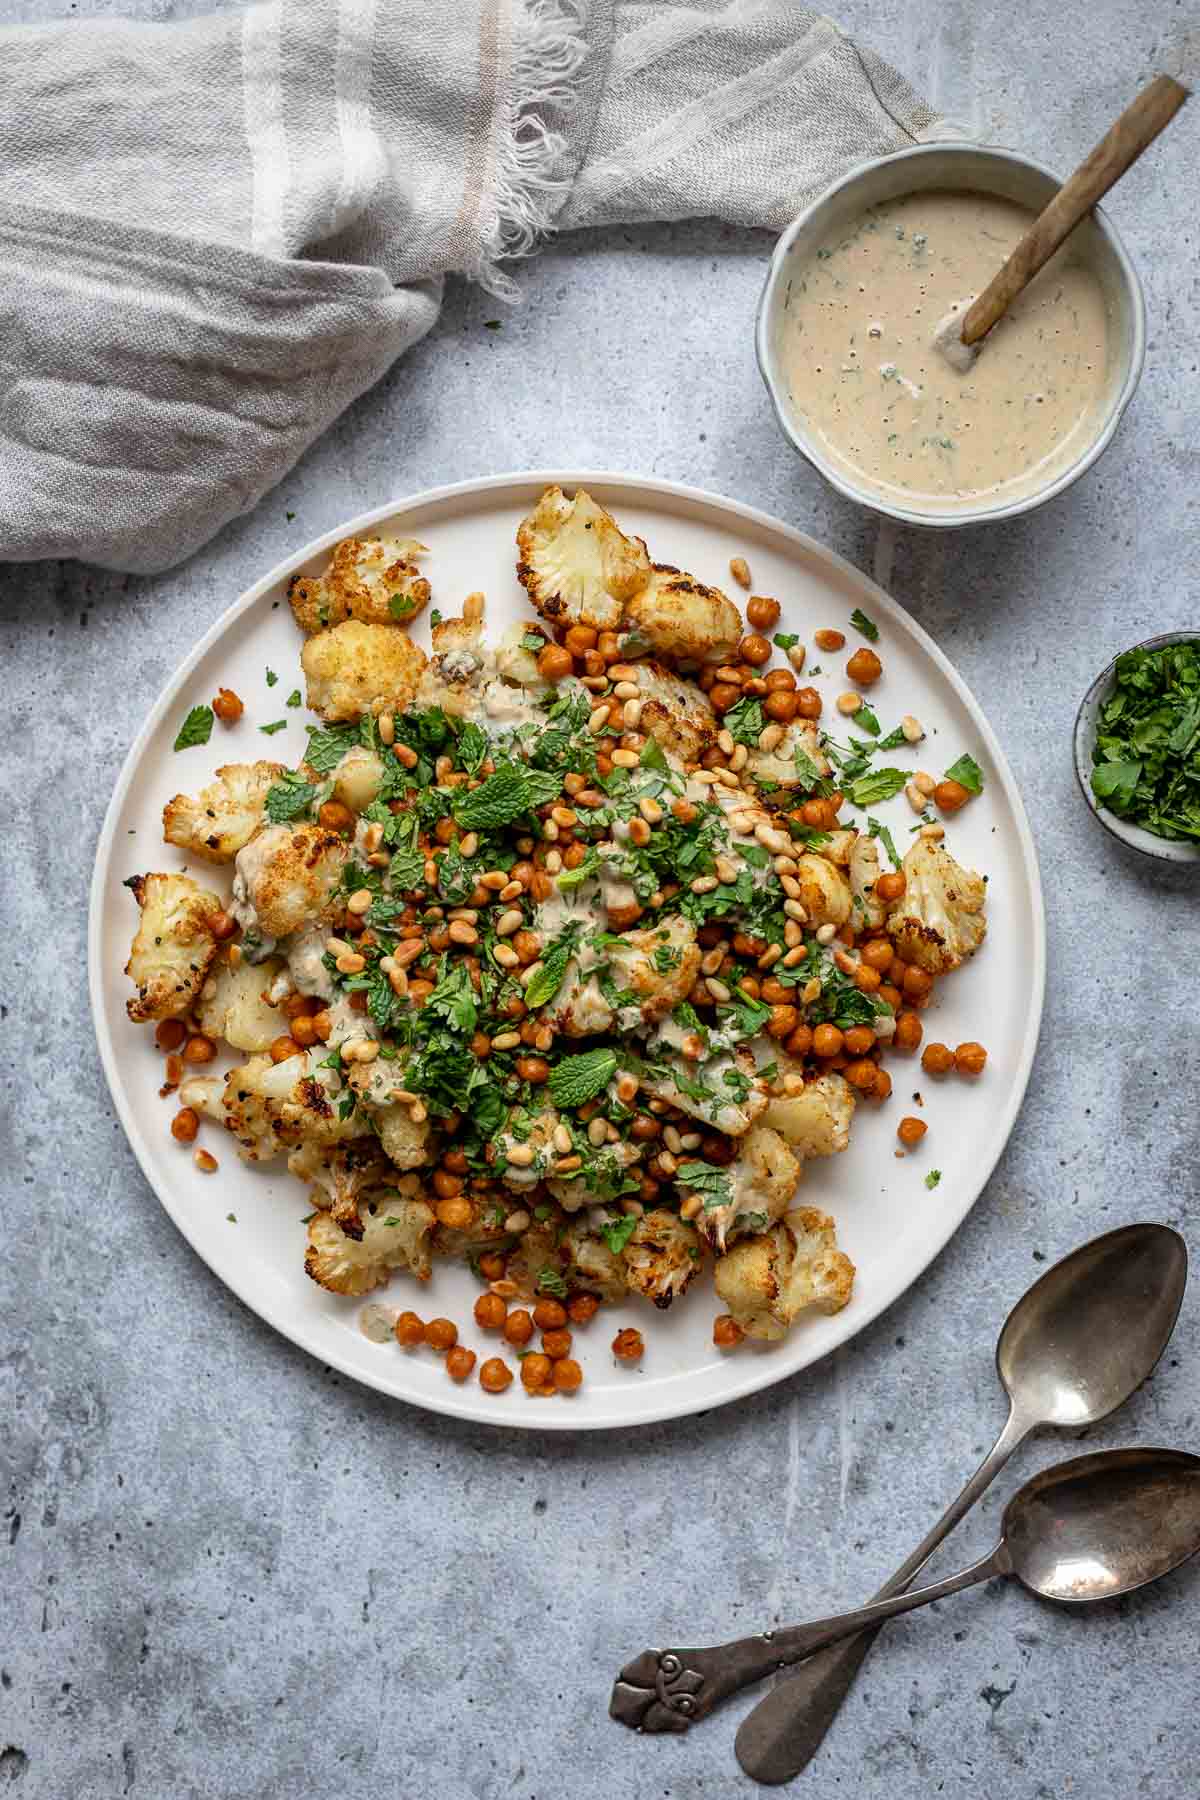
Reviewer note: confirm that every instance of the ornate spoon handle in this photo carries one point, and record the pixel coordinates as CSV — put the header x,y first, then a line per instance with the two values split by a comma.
x,y
667,1690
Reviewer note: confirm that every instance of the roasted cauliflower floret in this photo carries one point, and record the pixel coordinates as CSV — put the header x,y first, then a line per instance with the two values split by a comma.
x,y
816,1122
675,713
268,1106
659,964
719,1090
173,947
767,1281
938,922
538,1259
678,617
233,1005
529,1138
662,1256
405,1142
600,1178
825,893
864,873
222,818
593,1266
758,1187
576,564
395,1235
287,878
780,766
375,579
459,663
340,1176
355,669
357,778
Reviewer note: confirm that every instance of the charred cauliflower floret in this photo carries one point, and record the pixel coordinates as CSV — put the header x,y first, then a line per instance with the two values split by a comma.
x,y
678,617
938,921
356,669
825,893
538,1264
863,869
268,1106
720,1090
526,1145
405,1142
339,1176
287,878
600,1178
780,766
459,663
222,818
593,1266
233,1005
173,947
767,1281
375,579
659,964
576,564
675,713
662,1256
395,1235
757,1189
817,1121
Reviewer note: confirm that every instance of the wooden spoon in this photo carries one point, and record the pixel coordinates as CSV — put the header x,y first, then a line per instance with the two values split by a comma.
x,y
1137,127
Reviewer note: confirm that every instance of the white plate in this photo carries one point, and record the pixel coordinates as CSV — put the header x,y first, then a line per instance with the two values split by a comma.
x,y
888,1221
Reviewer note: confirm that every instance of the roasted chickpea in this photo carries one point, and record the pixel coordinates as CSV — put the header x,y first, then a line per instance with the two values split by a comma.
x,y
883,1085
608,646
459,1363
860,1039
827,1041
455,1215
948,796
492,1266
322,1024
817,814
441,1334
282,1048
495,1376
567,1375
917,982
222,925
861,1074
169,1034
644,1128
908,1032
185,1125
518,1327
628,1345
727,1333
549,1315
490,1312
828,639
775,994
808,703
199,1050
781,705
890,888
555,662
333,816
937,1058
783,1021
910,1131
556,1343
891,996
304,1032
969,1058
867,980
723,695
864,667
800,1042
227,706
535,1371
878,954
754,649
582,1308
762,613
533,1069
580,639
409,1330
778,680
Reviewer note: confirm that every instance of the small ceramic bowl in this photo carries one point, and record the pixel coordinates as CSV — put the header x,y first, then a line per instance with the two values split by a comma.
x,y
973,168
1163,849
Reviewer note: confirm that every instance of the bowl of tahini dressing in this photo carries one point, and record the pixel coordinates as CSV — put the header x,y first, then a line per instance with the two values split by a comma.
x,y
858,286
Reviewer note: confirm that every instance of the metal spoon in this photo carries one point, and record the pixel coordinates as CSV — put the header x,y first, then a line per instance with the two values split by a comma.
x,y
1089,1529
1072,1350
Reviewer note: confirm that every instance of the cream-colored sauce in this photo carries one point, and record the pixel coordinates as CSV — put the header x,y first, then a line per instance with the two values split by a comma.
x,y
864,373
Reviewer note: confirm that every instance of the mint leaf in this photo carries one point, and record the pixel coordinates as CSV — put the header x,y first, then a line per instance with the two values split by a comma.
x,y
453,999
270,730
293,698
472,748
272,678
865,719
967,771
577,1079
714,1185
326,748
499,800
745,722
932,1179
868,627
617,1233
651,757
196,728
549,978
876,786
549,1280
287,798
811,779
892,741
785,641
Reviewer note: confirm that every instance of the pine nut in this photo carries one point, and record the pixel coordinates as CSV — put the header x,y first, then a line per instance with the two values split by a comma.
x,y
742,823
704,884
517,1221
626,690
739,759
914,796
368,1050
667,1163
359,902
399,983
567,1165
790,886
727,778
408,759
924,781
467,846
691,1140
826,934
520,1156
510,921
418,1112
793,956
506,1040
935,833
205,1161
704,777
769,957
506,1289
725,741
597,1131
631,714
627,1088
407,953
812,992
387,729
785,865
792,934
379,859
598,720
505,955
773,840
373,836
739,568
595,684
639,832
849,703
337,946
796,657
562,1140
770,737
690,1207
726,871
352,964
672,1139
625,759
623,672
912,728
431,872
527,974
512,890
554,862
711,963
650,810
494,880
718,990
462,933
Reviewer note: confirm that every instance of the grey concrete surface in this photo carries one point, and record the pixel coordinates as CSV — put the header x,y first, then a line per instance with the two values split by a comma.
x,y
226,1572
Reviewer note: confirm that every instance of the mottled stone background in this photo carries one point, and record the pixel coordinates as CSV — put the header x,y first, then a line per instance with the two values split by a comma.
x,y
227,1573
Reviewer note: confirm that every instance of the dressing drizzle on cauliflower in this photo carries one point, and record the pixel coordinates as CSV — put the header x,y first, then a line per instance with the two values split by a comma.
x,y
528,963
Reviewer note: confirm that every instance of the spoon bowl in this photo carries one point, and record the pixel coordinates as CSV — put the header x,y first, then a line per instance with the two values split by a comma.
x,y
1087,1334
1101,1525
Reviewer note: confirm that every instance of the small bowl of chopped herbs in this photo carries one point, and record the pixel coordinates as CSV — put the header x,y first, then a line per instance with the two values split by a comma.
x,y
1137,747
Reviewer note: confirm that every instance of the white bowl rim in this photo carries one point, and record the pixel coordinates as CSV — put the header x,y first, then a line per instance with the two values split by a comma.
x,y
1146,843
985,514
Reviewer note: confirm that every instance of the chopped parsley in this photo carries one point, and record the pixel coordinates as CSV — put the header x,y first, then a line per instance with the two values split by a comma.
x,y
293,698
932,1179
272,678
745,722
868,627
270,730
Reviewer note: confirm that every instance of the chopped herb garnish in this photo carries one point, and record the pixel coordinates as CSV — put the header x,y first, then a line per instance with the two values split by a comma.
x,y
932,1179
785,640
196,728
270,730
876,786
868,627
272,678
577,1079
293,698
617,1233
967,772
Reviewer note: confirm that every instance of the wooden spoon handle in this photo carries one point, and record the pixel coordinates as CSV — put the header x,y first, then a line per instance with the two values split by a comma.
x,y
1137,127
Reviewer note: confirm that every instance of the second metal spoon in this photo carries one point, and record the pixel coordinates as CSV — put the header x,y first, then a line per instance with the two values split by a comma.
x,y
1072,1350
